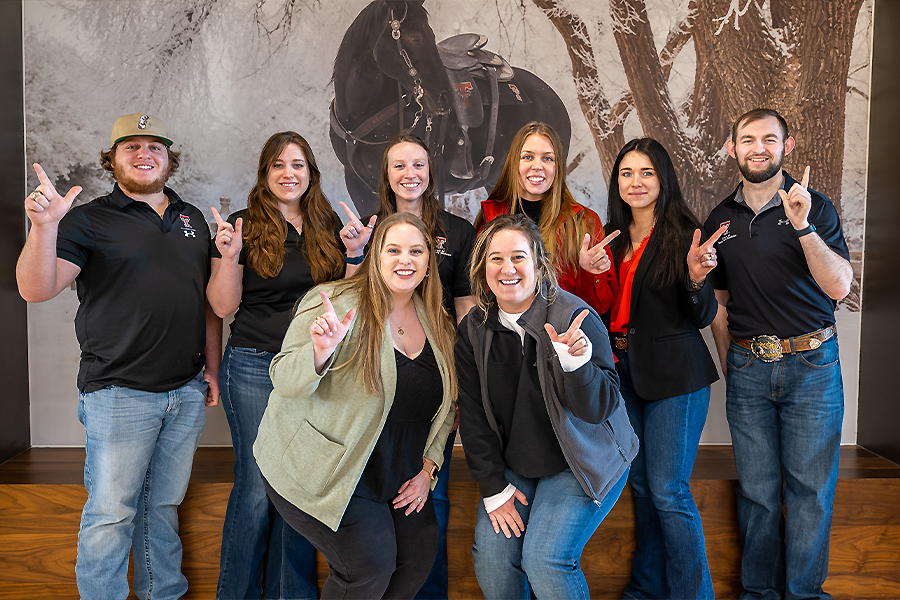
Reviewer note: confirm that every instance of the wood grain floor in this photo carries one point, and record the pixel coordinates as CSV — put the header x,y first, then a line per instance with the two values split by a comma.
x,y
41,496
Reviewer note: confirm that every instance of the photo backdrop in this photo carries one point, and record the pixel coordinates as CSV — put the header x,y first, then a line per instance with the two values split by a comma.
x,y
226,74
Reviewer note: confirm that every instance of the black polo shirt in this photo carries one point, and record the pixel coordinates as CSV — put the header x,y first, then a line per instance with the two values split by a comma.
x,y
266,306
454,241
142,287
762,265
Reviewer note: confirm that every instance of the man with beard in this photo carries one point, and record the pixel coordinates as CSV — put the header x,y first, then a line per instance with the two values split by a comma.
x,y
140,259
783,264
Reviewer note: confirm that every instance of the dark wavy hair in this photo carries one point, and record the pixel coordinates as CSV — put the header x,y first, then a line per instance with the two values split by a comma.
x,y
265,228
674,223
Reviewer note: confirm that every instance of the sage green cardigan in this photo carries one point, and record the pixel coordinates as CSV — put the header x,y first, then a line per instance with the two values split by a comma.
x,y
318,431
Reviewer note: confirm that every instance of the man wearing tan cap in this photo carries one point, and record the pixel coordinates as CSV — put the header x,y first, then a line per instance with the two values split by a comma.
x,y
140,259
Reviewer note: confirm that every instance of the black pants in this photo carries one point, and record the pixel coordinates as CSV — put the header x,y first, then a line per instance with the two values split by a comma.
x,y
377,552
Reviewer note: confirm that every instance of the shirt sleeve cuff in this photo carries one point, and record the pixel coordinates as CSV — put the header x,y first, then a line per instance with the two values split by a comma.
x,y
492,503
568,362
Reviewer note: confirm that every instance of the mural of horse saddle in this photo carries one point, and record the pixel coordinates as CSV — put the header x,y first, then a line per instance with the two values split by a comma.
x,y
470,68
466,52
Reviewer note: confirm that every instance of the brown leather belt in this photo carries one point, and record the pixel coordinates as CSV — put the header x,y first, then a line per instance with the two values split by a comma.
x,y
770,348
619,342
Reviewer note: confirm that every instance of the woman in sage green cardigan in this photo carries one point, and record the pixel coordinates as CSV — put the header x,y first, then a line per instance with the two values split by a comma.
x,y
349,450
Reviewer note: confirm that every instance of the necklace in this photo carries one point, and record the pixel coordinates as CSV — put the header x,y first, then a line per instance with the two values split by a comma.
x,y
400,326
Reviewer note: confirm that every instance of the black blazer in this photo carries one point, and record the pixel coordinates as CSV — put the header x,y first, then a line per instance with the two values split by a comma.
x,y
667,356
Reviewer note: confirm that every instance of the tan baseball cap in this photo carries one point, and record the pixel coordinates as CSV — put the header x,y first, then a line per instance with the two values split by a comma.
x,y
139,124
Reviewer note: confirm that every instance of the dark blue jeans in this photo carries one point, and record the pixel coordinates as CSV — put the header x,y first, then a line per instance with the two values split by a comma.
x,y
437,584
670,559
785,420
545,562
259,550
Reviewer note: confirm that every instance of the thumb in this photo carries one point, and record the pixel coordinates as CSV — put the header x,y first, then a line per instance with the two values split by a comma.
x,y
551,332
372,220
783,195
696,241
72,194
520,496
586,243
238,227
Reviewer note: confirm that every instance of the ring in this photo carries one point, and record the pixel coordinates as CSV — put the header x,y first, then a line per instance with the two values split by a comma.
x,y
368,227
419,499
33,195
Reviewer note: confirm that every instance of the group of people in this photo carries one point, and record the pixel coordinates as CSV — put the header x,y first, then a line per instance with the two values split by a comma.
x,y
571,361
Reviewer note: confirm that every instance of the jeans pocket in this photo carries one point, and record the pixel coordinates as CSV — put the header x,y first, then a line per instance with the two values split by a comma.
x,y
823,357
739,358
249,351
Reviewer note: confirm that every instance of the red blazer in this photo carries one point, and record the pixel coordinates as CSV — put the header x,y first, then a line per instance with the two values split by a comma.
x,y
598,291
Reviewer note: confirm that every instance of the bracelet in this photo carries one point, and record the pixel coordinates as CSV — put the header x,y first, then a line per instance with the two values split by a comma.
x,y
695,285
805,231
354,260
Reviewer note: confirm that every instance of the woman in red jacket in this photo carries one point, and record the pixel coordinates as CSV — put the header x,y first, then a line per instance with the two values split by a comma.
x,y
533,183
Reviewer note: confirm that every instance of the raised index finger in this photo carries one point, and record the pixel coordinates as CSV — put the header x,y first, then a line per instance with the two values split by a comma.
x,y
715,237
805,181
576,324
349,212
42,176
605,241
217,216
326,302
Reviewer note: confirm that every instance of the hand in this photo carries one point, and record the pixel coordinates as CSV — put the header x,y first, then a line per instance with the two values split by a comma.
x,y
595,260
507,518
414,493
574,338
229,240
701,258
354,234
327,331
455,420
212,391
47,206
797,202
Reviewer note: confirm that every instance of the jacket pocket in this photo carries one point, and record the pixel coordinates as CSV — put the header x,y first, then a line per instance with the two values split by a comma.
x,y
312,458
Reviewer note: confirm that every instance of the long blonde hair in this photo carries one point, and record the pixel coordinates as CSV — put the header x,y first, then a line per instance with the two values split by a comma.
x,y
375,305
558,217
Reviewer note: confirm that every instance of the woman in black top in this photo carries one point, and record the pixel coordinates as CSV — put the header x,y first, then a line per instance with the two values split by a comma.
x,y
267,256
407,185
664,366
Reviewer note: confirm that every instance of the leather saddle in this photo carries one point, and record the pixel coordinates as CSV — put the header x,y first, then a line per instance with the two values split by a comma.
x,y
466,62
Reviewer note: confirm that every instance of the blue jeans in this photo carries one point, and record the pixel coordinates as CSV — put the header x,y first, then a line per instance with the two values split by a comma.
x,y
139,451
670,559
260,552
546,560
437,584
785,420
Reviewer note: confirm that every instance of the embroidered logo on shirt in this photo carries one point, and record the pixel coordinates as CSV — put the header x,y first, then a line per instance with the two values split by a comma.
x,y
727,235
440,243
187,229
784,221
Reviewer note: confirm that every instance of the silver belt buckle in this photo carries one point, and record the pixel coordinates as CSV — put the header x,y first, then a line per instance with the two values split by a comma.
x,y
766,348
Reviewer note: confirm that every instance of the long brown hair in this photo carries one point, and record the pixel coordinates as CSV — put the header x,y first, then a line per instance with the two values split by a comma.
x,y
387,200
558,218
544,273
375,305
265,228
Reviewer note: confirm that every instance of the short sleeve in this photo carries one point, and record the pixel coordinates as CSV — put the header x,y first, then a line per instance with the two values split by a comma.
x,y
75,241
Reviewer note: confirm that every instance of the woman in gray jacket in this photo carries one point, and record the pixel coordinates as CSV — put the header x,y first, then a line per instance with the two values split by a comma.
x,y
544,428
354,433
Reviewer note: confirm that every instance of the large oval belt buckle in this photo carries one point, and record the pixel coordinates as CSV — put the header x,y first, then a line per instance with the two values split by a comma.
x,y
766,348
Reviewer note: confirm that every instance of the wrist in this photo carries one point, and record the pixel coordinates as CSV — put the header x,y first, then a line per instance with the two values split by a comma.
x,y
809,228
353,260
430,468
